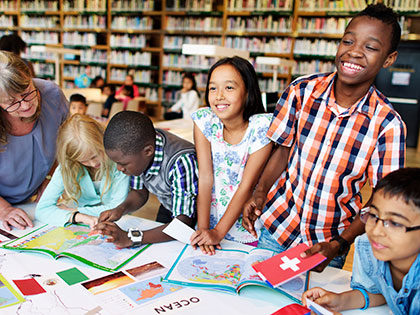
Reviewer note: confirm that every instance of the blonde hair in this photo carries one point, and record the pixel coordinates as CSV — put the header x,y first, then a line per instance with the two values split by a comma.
x,y
78,136
15,77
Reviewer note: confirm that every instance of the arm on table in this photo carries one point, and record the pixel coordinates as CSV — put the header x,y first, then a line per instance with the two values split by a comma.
x,y
13,217
272,171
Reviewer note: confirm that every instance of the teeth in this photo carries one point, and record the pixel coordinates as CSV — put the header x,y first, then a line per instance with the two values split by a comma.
x,y
352,66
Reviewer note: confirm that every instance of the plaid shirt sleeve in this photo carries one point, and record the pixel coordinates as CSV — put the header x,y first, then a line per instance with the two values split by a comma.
x,y
184,178
282,128
136,182
389,153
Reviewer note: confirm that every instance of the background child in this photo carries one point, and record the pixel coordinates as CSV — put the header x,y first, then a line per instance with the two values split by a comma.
x,y
126,95
129,81
189,100
109,91
386,261
232,148
78,104
160,163
86,182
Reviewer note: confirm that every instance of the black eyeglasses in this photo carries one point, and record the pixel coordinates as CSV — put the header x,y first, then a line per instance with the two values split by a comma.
x,y
27,98
372,219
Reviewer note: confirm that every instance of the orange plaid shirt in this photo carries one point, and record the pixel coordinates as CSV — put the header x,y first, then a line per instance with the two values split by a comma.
x,y
332,156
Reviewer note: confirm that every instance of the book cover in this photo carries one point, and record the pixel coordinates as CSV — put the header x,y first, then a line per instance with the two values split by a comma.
x,y
75,241
229,270
287,265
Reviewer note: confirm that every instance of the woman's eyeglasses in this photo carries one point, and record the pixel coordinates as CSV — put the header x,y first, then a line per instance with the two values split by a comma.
x,y
369,218
27,98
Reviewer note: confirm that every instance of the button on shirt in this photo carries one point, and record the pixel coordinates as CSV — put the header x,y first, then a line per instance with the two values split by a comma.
x,y
183,178
374,276
333,153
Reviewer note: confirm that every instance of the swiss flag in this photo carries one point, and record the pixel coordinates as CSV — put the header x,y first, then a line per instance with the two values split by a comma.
x,y
287,265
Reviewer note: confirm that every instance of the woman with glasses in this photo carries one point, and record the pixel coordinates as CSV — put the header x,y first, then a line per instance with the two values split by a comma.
x,y
31,110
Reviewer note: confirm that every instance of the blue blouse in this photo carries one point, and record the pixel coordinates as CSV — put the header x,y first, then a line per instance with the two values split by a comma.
x,y
375,277
26,160
89,202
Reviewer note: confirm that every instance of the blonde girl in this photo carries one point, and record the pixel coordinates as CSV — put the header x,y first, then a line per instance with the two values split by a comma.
x,y
232,149
86,182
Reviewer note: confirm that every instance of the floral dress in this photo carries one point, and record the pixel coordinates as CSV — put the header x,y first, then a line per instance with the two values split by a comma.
x,y
229,163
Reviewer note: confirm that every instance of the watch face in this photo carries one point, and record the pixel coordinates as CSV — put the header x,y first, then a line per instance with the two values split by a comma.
x,y
135,233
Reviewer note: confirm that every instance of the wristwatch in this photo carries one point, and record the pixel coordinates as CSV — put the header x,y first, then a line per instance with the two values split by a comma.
x,y
344,245
136,236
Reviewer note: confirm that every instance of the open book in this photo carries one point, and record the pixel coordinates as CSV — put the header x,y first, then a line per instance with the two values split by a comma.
x,y
75,241
228,270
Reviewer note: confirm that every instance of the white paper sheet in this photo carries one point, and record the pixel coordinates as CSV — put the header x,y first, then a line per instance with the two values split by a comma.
x,y
179,231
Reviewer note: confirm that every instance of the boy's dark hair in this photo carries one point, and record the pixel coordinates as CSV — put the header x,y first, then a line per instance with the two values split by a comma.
x,y
129,132
253,103
403,183
388,16
78,98
12,43
111,87
191,76
129,89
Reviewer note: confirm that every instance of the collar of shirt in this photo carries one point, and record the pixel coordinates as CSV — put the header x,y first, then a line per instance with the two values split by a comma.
x,y
157,161
410,280
325,91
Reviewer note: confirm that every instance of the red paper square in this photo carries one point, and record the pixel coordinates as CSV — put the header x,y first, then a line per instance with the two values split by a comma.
x,y
29,286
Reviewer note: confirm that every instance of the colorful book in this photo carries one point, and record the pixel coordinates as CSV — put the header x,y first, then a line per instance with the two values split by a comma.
x,y
287,265
228,270
76,241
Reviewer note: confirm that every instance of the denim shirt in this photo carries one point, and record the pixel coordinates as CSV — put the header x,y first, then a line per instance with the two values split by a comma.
x,y
374,276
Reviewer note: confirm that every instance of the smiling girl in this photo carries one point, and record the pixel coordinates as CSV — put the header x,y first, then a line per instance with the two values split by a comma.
x,y
231,151
86,182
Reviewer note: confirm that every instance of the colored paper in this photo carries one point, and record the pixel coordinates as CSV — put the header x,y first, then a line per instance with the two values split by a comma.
x,y
293,309
8,295
287,265
29,286
72,276
179,231
317,309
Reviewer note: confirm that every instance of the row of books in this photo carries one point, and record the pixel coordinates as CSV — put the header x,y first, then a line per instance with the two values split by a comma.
x,y
175,78
8,5
338,5
39,5
132,5
38,21
128,41
40,37
131,58
403,5
176,42
74,71
44,69
260,24
268,85
260,5
38,55
189,5
140,76
183,61
317,47
83,5
78,38
261,44
313,66
85,21
135,23
93,56
322,25
6,21
207,24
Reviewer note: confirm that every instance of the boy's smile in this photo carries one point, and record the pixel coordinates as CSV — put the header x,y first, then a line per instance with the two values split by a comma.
x,y
363,51
400,248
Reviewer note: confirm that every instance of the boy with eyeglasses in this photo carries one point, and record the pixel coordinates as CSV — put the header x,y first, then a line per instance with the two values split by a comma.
x,y
386,261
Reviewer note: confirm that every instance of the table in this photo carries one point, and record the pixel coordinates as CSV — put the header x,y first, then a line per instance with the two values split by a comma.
x,y
63,299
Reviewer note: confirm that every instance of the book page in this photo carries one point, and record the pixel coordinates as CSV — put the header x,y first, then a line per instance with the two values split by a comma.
x,y
220,271
249,275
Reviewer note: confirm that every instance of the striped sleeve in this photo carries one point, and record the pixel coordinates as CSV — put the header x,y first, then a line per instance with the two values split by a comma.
x,y
184,179
136,182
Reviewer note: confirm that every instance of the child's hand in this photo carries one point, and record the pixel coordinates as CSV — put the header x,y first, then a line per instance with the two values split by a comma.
x,y
324,298
114,233
111,215
86,219
252,210
207,240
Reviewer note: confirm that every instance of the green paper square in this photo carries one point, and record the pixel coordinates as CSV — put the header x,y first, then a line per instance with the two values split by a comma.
x,y
72,276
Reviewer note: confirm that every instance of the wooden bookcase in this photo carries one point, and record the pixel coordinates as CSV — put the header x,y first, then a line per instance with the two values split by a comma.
x,y
144,37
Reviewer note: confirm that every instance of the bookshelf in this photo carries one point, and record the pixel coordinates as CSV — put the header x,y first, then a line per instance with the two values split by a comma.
x,y
144,37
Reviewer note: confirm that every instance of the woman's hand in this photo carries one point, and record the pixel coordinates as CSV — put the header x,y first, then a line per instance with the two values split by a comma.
x,y
86,219
207,240
14,217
